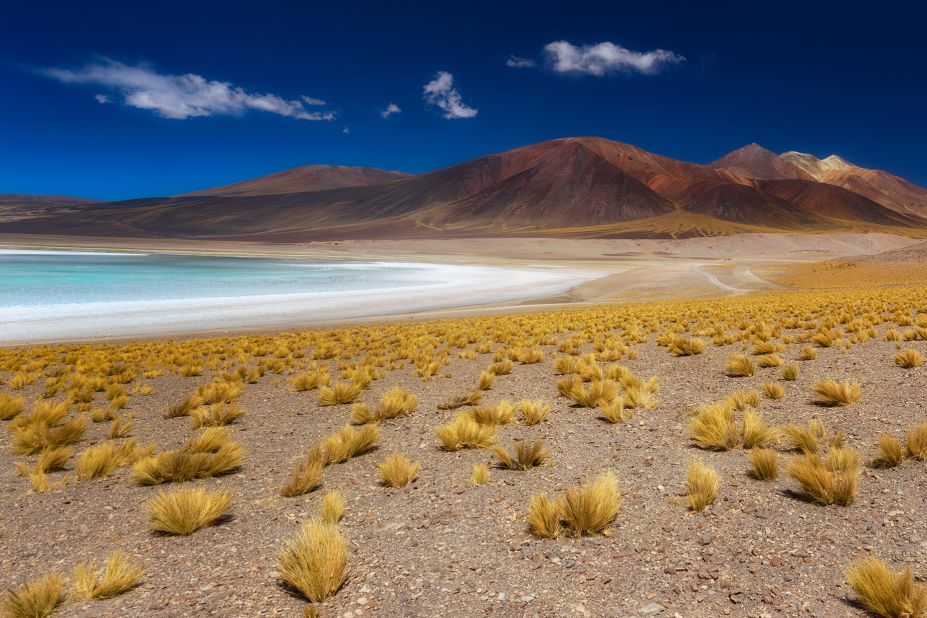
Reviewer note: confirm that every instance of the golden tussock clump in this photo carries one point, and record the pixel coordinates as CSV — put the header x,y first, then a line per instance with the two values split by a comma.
x,y
306,476
773,390
533,412
184,511
527,456
34,599
833,393
599,392
209,440
917,442
501,414
10,406
397,470
120,427
808,353
338,393
790,372
740,366
544,517
470,399
349,442
55,458
615,411
216,415
769,360
713,427
332,509
479,474
887,593
639,393
464,432
39,480
832,480
101,460
310,381
45,427
891,453
805,439
315,561
102,415
182,465
564,365
764,463
503,367
755,431
908,359
394,403
702,485
116,576
591,507
742,400
681,346
486,380
183,407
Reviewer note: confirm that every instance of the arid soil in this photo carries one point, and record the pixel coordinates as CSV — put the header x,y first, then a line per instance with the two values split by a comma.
x,y
443,547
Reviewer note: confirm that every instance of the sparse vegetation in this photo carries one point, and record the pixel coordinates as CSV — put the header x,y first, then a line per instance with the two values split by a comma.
x,y
891,453
397,470
764,463
116,576
480,474
184,511
833,393
702,485
526,455
591,507
740,366
34,599
887,593
464,432
314,563
832,480
908,359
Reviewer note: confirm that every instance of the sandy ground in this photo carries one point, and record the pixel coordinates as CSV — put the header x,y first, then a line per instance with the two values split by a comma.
x,y
442,547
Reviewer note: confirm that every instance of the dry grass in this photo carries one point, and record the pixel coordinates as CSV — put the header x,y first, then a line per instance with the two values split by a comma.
x,y
315,561
501,414
917,442
181,465
183,407
338,393
350,442
755,431
479,474
544,517
45,428
10,406
526,455
306,477
332,509
615,411
740,366
394,403
533,412
486,380
687,347
713,427
216,415
702,485
833,393
887,593
464,432
184,511
909,359
56,458
94,581
770,360
470,399
764,463
101,460
891,453
773,390
805,439
790,372
591,507
34,599
829,481
397,470
598,393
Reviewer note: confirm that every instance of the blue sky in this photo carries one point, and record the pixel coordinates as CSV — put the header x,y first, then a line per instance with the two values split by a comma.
x,y
127,99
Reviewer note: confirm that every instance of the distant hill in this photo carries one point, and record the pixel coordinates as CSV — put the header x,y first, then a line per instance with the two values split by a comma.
x,y
307,178
572,187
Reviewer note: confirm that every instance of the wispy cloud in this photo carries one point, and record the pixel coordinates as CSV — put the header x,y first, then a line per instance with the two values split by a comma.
x,y
180,96
517,62
102,99
313,101
441,93
604,58
391,109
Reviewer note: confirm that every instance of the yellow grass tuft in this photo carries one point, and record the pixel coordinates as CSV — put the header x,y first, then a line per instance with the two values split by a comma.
x,y
101,460
184,407
526,456
306,476
10,406
891,452
52,459
209,440
908,359
184,511
501,414
702,484
533,412
773,390
181,465
769,360
740,366
833,393
544,517
755,431
687,347
790,372
397,470
917,442
349,442
486,380
34,599
829,481
216,415
394,403
808,353
310,381
591,507
599,392
764,463
338,393
887,593
315,561
713,427
742,400
480,474
464,432
615,411
332,509
805,439
116,576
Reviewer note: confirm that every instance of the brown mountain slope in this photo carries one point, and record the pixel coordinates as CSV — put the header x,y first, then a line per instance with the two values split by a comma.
x,y
754,161
307,178
580,187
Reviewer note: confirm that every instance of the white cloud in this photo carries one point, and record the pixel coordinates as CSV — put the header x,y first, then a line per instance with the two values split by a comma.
x,y
180,96
441,93
604,58
313,101
391,109
517,62
346,131
102,99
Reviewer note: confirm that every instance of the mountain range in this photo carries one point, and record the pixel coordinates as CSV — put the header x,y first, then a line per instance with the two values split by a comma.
x,y
571,187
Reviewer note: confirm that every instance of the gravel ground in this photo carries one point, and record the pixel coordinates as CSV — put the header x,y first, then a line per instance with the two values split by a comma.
x,y
443,547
